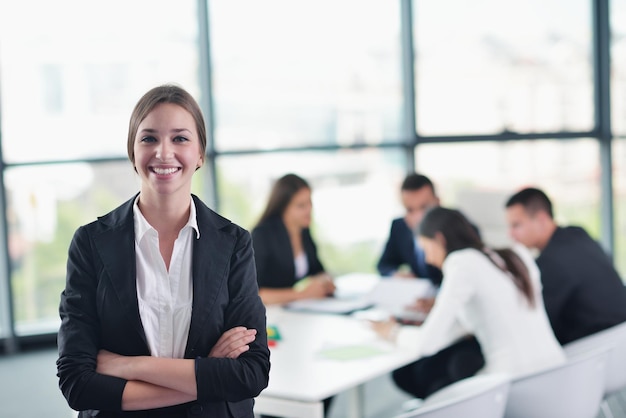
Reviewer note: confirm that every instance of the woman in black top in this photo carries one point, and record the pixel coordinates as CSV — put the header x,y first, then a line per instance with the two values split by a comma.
x,y
286,259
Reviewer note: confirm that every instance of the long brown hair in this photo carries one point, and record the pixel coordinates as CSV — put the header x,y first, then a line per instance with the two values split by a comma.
x,y
282,192
459,234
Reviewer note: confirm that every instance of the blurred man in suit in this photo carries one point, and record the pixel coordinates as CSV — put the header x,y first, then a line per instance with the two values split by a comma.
x,y
402,250
582,291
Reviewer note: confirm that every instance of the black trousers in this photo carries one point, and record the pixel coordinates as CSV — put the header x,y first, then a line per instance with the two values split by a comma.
x,y
429,374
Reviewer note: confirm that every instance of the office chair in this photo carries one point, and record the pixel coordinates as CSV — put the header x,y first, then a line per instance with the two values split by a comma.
x,y
615,339
574,389
482,396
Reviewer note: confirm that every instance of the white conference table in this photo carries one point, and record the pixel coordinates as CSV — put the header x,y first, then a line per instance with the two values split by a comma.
x,y
322,355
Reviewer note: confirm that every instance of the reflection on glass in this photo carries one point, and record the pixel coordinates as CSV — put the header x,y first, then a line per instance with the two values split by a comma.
x,y
45,206
618,66
293,73
488,66
479,177
72,71
355,197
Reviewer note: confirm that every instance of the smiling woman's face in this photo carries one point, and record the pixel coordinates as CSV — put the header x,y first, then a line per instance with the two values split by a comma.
x,y
167,151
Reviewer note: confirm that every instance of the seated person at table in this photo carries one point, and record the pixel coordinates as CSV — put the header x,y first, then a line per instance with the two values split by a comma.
x,y
492,294
417,194
284,251
286,259
582,291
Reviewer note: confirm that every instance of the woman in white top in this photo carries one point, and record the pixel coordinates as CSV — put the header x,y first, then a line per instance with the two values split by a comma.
x,y
493,294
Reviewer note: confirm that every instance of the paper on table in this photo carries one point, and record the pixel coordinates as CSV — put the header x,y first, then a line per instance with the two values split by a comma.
x,y
394,294
350,352
329,305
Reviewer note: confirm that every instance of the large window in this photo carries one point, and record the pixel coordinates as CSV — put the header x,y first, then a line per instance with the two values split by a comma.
x,y
292,74
46,204
355,196
503,94
71,73
479,178
618,120
73,70
490,66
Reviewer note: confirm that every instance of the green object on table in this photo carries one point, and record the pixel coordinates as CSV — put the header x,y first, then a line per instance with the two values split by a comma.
x,y
272,333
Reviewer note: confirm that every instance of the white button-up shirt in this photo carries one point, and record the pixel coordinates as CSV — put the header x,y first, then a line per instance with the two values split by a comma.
x,y
165,297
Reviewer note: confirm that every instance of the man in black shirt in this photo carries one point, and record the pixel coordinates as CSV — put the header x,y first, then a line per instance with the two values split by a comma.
x,y
582,291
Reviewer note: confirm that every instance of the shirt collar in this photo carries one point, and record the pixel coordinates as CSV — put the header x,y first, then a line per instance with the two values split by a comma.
x,y
142,226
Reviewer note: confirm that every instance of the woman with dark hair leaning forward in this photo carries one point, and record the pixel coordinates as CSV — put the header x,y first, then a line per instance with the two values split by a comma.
x,y
161,311
494,295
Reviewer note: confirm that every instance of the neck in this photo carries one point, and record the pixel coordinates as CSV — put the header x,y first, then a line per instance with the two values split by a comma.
x,y
166,214
549,231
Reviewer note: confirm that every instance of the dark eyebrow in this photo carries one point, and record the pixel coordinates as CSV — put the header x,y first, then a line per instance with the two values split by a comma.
x,y
152,131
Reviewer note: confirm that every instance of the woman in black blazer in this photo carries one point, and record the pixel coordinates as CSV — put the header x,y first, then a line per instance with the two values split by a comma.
x,y
160,315
286,259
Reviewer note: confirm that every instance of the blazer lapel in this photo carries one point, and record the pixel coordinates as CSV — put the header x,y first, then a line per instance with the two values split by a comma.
x,y
116,247
211,255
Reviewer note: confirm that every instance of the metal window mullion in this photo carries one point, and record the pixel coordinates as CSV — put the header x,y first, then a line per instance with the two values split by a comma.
x,y
206,85
408,81
602,107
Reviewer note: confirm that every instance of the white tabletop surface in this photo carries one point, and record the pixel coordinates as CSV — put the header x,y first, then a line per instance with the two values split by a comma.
x,y
301,371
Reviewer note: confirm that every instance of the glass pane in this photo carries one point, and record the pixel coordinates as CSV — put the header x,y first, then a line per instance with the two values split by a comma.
x,y
355,197
479,177
619,191
72,71
291,73
491,66
45,206
618,63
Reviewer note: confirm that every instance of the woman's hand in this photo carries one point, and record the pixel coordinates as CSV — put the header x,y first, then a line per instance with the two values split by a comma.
x,y
318,286
387,330
233,343
422,305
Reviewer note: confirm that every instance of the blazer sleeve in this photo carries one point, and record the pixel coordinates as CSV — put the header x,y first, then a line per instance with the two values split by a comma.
x,y
245,377
272,256
391,257
79,334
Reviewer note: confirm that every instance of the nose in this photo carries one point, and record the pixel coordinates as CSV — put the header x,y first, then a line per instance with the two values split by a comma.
x,y
164,151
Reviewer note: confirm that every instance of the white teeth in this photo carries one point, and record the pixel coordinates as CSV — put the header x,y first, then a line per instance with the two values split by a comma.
x,y
164,171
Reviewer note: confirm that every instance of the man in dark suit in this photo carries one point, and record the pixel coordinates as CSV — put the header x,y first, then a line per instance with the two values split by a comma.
x,y
401,250
582,291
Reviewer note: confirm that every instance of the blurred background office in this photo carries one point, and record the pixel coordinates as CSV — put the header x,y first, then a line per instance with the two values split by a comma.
x,y
484,97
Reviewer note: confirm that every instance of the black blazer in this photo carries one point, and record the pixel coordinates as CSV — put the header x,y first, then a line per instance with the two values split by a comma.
x,y
99,310
400,249
274,257
582,291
